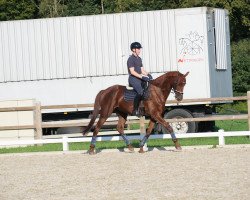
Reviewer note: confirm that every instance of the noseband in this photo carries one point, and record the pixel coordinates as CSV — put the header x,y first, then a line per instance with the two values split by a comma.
x,y
177,91
174,88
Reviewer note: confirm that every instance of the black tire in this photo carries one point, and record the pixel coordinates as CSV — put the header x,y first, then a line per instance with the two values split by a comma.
x,y
181,127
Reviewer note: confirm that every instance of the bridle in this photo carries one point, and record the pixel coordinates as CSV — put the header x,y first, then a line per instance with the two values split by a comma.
x,y
174,90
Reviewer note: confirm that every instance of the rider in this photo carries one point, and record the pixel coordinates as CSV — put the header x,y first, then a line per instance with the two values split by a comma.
x,y
137,74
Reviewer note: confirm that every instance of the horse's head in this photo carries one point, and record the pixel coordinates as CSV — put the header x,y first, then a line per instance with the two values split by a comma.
x,y
178,86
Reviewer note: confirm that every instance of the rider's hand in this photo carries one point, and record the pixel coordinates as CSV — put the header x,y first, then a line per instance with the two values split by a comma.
x,y
150,77
145,78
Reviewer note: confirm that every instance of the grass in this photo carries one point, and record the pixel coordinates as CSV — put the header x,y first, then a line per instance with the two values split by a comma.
x,y
43,148
238,107
232,125
120,144
227,125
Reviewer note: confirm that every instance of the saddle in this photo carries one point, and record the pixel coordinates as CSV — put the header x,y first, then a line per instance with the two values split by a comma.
x,y
130,93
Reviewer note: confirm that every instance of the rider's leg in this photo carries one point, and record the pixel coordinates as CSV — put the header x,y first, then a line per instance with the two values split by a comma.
x,y
137,101
136,84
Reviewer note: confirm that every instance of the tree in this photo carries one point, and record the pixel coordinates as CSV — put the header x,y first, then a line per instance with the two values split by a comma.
x,y
240,66
159,4
17,9
52,8
118,6
83,7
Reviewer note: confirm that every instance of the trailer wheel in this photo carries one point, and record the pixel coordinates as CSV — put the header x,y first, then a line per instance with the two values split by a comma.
x,y
181,127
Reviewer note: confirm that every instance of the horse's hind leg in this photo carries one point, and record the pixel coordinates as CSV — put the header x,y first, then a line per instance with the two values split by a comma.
x,y
100,122
120,128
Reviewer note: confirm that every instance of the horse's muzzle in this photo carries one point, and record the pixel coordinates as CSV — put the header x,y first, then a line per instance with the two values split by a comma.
x,y
178,96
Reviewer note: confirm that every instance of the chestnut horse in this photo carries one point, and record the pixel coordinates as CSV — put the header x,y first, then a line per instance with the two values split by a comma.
x,y
112,100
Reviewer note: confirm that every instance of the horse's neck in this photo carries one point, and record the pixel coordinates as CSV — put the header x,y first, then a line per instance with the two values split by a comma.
x,y
164,84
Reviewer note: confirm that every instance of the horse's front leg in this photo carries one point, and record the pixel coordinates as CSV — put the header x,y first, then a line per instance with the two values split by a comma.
x,y
145,138
166,125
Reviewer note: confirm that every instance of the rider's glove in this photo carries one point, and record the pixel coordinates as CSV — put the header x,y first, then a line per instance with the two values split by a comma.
x,y
150,77
145,78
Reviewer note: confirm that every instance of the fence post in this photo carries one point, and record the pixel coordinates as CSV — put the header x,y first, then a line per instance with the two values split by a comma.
x,y
143,129
248,108
65,143
221,137
128,125
38,121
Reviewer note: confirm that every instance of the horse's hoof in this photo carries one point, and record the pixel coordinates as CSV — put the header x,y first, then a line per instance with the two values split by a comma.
x,y
92,150
92,153
177,145
141,150
178,148
130,148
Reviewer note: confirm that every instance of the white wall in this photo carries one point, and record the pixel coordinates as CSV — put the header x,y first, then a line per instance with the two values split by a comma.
x,y
16,118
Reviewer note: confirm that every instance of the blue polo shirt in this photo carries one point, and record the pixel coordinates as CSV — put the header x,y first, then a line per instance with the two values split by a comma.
x,y
136,62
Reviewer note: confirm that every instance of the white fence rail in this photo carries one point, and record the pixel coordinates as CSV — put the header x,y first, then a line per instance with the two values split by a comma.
x,y
65,140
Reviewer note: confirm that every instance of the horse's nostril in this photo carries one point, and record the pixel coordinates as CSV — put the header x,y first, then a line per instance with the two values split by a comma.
x,y
178,98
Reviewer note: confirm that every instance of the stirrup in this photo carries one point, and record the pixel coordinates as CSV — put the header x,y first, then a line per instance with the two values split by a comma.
x,y
137,113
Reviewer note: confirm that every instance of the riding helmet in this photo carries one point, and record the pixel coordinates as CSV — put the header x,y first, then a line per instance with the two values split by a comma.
x,y
135,45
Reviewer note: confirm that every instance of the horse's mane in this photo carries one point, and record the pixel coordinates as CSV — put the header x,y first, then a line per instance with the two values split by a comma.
x,y
172,73
160,79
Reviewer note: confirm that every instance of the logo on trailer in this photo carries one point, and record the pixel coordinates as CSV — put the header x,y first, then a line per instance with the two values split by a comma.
x,y
192,45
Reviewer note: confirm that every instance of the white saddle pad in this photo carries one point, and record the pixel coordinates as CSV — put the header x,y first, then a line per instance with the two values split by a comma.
x,y
129,88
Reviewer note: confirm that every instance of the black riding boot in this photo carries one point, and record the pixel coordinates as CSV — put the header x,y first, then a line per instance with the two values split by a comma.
x,y
137,101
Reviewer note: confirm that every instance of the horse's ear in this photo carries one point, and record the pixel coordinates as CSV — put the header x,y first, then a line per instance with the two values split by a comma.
x,y
186,74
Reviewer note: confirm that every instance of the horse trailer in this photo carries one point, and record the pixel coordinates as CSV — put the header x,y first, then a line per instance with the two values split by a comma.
x,y
68,60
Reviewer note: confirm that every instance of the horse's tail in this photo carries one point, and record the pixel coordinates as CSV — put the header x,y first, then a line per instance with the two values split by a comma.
x,y
94,114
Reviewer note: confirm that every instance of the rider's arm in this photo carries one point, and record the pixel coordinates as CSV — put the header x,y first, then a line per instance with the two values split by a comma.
x,y
134,73
144,72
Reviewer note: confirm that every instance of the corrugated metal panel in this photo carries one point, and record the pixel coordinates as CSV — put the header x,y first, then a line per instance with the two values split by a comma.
x,y
171,42
1,55
86,46
221,39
